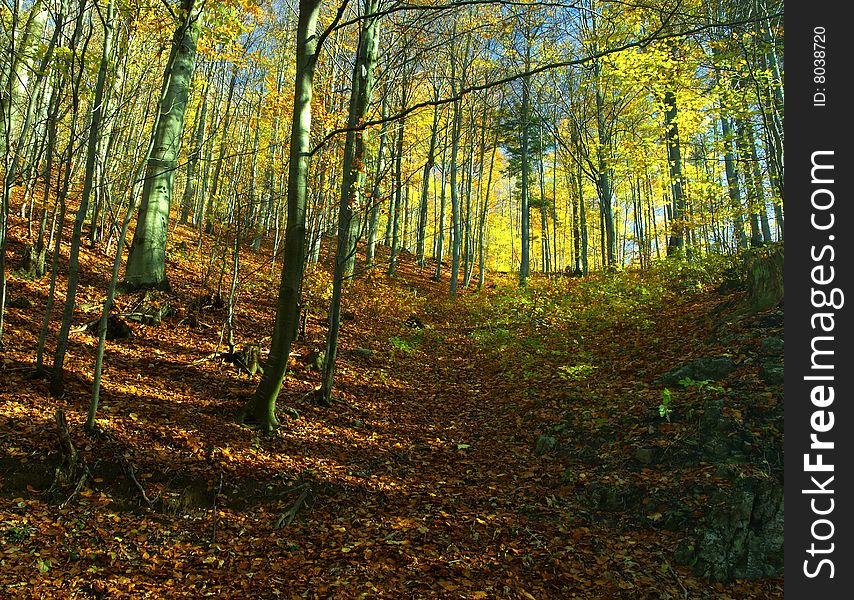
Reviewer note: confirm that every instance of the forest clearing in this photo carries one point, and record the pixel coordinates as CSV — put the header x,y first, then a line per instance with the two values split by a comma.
x,y
387,299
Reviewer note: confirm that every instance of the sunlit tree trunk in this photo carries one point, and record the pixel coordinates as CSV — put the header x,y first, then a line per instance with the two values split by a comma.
x,y
260,409
352,175
397,206
191,186
57,386
421,233
525,225
733,188
676,242
456,242
440,225
146,264
374,215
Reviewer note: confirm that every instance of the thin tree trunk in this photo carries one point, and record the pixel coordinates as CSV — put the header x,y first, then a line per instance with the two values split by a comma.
x,y
354,150
261,407
425,183
374,216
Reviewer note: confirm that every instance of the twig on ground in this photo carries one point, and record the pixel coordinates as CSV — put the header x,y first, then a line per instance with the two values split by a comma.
x,y
215,509
132,475
676,577
210,356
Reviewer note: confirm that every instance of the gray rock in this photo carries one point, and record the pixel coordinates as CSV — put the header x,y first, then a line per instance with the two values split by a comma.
x,y
545,443
701,369
645,455
772,371
772,345
742,537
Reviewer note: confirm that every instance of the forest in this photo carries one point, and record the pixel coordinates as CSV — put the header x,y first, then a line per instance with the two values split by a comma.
x,y
391,299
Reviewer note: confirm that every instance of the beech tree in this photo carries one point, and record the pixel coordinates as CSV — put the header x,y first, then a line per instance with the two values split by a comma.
x,y
260,409
146,263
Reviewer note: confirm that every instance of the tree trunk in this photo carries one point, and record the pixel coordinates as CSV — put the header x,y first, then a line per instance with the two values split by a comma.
x,y
733,188
190,187
354,150
57,385
146,264
676,243
261,407
525,225
374,216
456,242
397,208
421,234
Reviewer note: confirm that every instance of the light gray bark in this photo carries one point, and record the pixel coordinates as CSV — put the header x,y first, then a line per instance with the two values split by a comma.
x,y
146,264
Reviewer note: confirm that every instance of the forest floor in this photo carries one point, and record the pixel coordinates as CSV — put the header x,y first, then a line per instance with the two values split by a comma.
x,y
423,480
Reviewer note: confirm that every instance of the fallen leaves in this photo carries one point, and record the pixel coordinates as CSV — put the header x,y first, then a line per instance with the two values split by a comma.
x,y
424,481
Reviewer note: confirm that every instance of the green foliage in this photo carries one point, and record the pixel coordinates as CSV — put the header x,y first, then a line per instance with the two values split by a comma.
x,y
398,343
664,408
701,385
569,476
541,330
496,338
576,372
17,534
698,274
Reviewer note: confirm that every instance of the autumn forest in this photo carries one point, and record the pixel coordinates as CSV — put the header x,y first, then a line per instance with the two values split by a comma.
x,y
391,299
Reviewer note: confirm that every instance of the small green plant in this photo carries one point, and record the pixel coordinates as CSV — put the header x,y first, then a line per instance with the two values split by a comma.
x,y
664,408
18,534
575,372
701,385
569,476
400,344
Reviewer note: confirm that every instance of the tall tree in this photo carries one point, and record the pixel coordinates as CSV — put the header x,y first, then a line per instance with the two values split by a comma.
x,y
353,177
260,409
146,264
57,385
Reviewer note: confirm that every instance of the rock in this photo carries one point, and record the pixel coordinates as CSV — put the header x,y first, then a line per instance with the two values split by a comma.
x,y
772,345
764,268
684,553
644,455
363,352
717,432
545,443
615,498
701,369
21,302
742,537
772,371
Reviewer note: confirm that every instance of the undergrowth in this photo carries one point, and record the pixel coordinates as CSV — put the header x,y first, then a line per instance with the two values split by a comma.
x,y
548,325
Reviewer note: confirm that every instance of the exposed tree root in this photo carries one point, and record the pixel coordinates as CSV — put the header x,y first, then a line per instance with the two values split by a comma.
x,y
287,517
